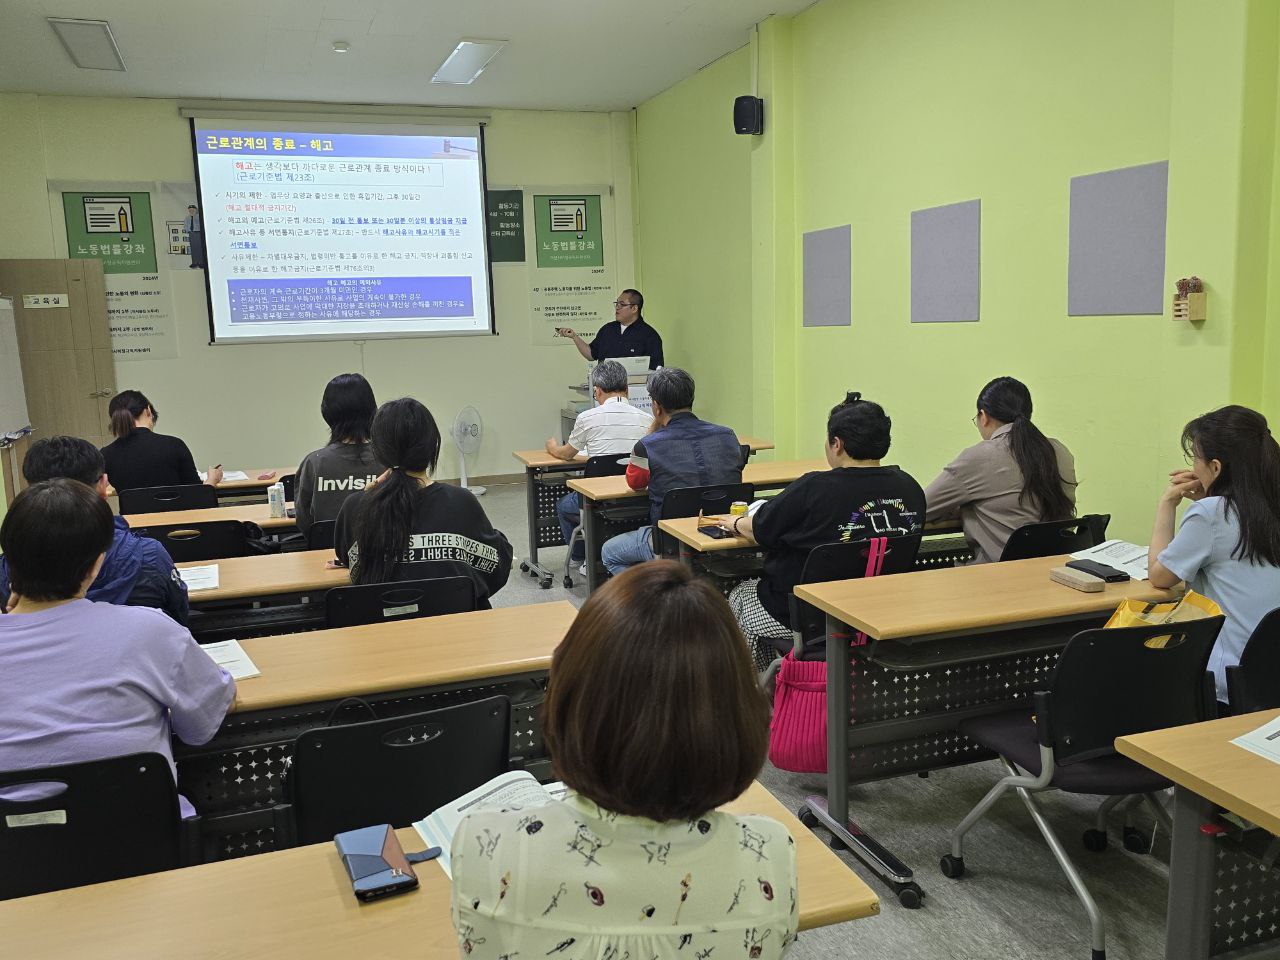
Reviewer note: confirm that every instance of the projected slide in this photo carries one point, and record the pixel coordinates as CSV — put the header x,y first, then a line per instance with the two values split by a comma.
x,y
329,233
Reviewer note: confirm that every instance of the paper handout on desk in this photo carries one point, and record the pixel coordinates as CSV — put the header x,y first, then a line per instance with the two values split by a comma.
x,y
519,788
230,656
226,475
200,578
1264,741
1121,554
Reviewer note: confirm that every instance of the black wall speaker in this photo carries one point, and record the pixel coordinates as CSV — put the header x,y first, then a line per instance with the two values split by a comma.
x,y
748,115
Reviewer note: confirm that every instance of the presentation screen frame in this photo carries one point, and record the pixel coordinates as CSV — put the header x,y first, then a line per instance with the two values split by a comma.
x,y
373,125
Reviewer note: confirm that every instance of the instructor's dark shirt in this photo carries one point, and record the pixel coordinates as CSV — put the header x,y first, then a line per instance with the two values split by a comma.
x,y
637,340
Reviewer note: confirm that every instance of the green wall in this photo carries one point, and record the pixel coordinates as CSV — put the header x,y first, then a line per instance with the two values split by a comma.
x,y
693,172
876,108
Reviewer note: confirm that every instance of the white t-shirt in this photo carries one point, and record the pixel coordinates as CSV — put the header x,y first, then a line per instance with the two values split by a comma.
x,y
1201,554
612,427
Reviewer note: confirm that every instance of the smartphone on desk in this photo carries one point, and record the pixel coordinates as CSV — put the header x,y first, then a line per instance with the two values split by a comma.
x,y
1099,570
376,862
715,533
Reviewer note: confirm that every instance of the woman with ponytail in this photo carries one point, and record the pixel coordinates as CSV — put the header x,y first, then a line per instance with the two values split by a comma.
x,y
1228,546
406,526
1015,476
140,457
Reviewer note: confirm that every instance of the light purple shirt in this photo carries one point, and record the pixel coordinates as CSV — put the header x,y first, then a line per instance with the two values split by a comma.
x,y
86,681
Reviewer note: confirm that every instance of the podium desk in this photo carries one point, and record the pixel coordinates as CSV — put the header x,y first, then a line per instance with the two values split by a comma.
x,y
258,514
269,593
941,646
298,903
544,484
398,668
1223,894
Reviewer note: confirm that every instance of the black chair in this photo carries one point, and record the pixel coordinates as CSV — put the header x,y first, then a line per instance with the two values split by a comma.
x,y
1254,684
208,540
690,501
188,496
402,600
320,535
391,771
115,818
290,481
605,465
1107,684
1053,537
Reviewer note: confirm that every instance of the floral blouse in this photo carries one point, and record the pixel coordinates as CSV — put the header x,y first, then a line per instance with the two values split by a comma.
x,y
572,881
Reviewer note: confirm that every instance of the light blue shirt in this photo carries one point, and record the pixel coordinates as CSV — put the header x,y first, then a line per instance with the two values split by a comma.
x,y
1201,554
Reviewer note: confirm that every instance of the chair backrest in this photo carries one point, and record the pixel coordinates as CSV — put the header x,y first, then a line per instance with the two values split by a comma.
x,y
289,480
208,540
689,501
188,496
606,465
115,818
320,535
1056,536
1112,683
1254,684
402,600
395,771
880,556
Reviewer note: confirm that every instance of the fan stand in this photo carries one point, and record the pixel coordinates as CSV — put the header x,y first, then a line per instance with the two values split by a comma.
x,y
462,464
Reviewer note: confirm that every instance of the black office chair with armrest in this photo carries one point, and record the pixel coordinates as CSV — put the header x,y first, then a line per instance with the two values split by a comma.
x,y
1254,683
208,540
320,535
391,771
398,600
1065,739
709,500
290,482
114,818
187,496
1053,537
605,465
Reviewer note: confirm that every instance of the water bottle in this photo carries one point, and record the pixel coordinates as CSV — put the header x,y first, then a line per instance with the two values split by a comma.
x,y
275,498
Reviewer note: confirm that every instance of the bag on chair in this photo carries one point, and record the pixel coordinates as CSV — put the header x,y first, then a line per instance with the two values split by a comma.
x,y
798,730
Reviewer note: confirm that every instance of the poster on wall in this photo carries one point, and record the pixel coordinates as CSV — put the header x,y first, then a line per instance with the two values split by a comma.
x,y
117,227
571,282
505,212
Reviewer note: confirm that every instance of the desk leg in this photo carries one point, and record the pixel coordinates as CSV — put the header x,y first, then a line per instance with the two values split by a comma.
x,y
591,536
530,564
1191,875
832,811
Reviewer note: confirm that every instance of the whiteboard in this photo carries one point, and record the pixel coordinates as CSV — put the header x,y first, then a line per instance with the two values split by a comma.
x,y
13,396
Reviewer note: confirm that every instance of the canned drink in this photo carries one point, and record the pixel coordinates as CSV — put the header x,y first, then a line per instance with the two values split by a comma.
x,y
738,508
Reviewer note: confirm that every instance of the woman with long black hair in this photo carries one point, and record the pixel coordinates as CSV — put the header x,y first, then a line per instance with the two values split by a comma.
x,y
1015,476
1228,546
408,526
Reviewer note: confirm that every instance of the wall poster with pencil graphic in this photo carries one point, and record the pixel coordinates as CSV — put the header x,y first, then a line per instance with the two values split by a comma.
x,y
112,227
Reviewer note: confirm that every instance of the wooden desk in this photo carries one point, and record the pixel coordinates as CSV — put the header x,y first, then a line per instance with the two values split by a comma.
x,y
942,646
253,482
398,668
256,513
271,574
544,488
1209,771
298,903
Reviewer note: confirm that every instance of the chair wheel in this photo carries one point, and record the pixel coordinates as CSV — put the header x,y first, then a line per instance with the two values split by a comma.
x,y
807,818
1136,841
835,843
909,894
568,582
545,583
952,867
1095,841
524,568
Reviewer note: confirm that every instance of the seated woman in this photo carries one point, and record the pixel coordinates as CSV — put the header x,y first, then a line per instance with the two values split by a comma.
x,y
328,476
653,720
406,526
140,457
857,499
1015,476
84,680
1228,547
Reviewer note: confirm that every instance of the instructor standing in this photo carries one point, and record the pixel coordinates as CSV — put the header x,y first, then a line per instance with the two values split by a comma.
x,y
627,336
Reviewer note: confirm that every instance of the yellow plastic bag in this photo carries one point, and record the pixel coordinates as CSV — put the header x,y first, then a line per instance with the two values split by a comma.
x,y
1136,613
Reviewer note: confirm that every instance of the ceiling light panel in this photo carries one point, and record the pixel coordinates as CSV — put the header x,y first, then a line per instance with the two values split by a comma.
x,y
89,43
468,60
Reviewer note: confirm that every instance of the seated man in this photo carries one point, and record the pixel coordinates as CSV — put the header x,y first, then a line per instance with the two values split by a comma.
x,y
681,451
613,426
136,571
82,680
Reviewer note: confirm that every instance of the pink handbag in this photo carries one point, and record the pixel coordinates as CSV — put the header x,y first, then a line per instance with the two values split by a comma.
x,y
798,730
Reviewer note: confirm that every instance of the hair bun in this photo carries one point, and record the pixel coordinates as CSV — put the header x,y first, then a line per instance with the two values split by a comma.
x,y
853,396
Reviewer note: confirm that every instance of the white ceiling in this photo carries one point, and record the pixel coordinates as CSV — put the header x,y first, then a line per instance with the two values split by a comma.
x,y
563,54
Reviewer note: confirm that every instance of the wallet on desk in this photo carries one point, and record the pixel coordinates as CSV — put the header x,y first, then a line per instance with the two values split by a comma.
x,y
376,862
